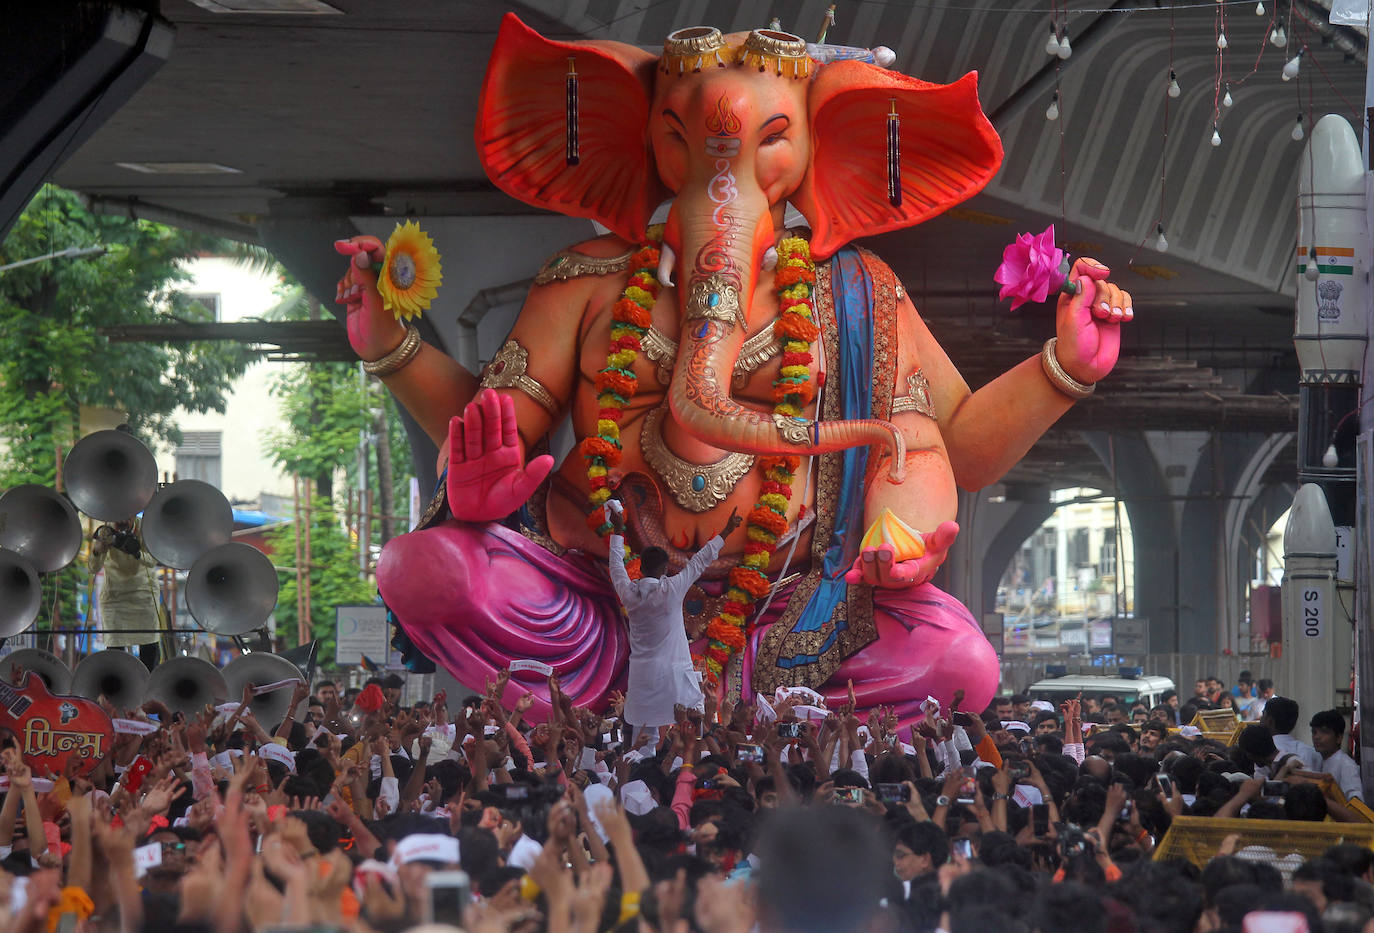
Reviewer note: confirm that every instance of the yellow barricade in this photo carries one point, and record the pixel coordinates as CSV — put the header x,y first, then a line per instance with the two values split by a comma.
x,y
1198,838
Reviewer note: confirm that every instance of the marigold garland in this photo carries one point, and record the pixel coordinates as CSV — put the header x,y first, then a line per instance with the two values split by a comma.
x,y
794,280
616,384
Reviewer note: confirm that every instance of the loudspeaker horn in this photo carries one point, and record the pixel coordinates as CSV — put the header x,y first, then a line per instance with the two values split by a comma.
x,y
184,520
21,595
48,666
118,676
260,669
232,589
40,524
187,685
110,475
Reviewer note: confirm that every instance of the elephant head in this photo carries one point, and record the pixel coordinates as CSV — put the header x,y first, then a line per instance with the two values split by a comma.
x,y
732,128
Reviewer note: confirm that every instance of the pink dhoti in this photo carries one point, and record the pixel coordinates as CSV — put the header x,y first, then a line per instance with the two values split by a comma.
x,y
473,598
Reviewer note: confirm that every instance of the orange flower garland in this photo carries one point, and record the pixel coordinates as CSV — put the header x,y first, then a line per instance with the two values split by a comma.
x,y
794,280
616,384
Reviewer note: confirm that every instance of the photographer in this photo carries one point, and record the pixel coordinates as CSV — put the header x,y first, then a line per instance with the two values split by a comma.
x,y
130,604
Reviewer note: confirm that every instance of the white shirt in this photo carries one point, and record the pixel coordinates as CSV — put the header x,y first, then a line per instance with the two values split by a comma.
x,y
1347,774
661,674
1287,745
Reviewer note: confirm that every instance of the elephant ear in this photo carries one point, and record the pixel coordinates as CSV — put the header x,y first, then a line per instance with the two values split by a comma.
x,y
949,151
522,121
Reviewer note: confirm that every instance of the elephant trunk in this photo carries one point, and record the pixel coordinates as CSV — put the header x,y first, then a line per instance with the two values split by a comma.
x,y
723,247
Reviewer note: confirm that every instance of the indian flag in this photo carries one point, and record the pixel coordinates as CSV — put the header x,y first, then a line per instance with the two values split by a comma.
x,y
1331,260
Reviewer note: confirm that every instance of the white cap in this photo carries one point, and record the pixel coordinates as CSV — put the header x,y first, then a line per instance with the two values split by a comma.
x,y
636,798
427,847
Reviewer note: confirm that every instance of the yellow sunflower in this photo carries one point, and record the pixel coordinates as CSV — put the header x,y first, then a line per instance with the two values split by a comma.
x,y
411,272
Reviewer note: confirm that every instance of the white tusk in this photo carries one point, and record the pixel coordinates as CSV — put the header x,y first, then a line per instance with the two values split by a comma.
x,y
884,56
666,259
770,259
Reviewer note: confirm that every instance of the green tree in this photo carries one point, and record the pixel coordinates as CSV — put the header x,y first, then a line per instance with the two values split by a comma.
x,y
53,360
334,578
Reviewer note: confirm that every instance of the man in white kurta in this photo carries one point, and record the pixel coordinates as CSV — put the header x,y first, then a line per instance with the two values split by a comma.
x,y
661,675
1328,732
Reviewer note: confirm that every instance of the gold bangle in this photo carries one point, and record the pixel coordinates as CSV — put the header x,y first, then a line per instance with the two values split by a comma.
x,y
1058,378
398,358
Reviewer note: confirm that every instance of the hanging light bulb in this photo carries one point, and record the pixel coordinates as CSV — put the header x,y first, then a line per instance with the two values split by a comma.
x,y
1052,111
1259,9
1065,50
1330,458
1221,40
1226,100
1290,70
1278,38
1174,89
1161,244
1216,136
1052,43
1297,133
1310,271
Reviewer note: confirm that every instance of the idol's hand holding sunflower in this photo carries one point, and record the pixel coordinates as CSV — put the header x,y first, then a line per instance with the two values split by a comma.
x,y
406,279
373,331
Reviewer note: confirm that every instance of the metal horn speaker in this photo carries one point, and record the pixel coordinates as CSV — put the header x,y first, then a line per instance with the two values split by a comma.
x,y
259,669
184,520
110,475
118,676
40,524
232,589
187,685
48,666
21,595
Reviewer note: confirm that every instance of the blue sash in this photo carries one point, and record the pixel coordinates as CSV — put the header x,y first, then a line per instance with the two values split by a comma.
x,y
852,288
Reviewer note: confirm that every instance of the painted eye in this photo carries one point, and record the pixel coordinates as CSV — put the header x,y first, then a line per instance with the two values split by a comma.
x,y
774,138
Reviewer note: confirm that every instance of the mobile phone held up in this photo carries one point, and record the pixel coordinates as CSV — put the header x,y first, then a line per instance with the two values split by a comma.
x,y
1040,819
894,793
968,787
962,848
790,730
852,795
749,753
448,894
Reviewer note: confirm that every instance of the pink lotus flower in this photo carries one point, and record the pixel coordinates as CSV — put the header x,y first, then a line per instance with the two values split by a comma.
x,y
1032,267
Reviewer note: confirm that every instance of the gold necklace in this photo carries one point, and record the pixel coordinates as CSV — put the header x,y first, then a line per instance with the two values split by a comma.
x,y
697,487
756,351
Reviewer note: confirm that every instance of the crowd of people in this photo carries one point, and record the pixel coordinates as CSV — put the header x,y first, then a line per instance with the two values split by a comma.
x,y
774,815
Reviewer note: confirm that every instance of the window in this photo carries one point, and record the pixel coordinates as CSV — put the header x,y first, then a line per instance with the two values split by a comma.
x,y
1106,561
198,457
1078,548
207,300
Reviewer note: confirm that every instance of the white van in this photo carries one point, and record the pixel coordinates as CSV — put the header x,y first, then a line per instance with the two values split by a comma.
x,y
1147,689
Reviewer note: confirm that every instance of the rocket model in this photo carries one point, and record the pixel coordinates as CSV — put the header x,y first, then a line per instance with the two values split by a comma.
x,y
1330,328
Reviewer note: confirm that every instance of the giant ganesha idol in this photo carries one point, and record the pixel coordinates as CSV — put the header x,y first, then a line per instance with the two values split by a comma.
x,y
719,362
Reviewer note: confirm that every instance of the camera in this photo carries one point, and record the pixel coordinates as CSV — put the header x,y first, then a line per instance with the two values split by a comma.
x,y
1019,770
894,793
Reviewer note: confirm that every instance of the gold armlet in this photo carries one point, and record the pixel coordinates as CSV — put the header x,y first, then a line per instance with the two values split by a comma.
x,y
570,265
917,397
1058,378
398,358
507,371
